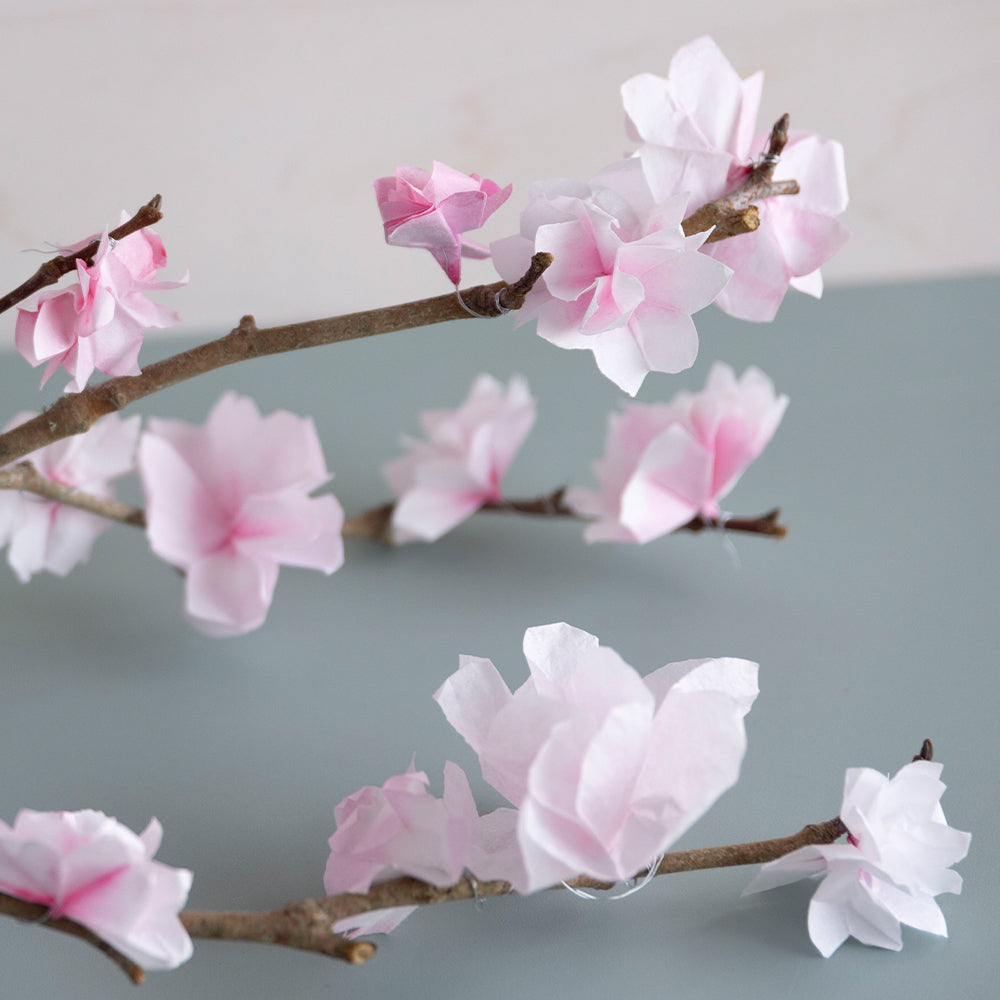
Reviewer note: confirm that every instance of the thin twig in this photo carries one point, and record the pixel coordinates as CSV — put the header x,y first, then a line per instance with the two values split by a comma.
x,y
52,270
36,913
25,477
376,524
77,412
734,214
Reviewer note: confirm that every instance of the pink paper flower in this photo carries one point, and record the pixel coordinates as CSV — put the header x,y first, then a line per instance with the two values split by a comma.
x,y
898,858
228,503
625,280
92,869
697,129
448,477
45,535
99,322
432,210
400,829
664,464
607,769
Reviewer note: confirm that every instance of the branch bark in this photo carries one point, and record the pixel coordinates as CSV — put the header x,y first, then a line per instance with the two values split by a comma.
x,y
77,412
734,214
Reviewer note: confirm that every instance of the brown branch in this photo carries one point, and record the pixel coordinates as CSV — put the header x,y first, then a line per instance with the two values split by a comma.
x,y
77,412
375,524
734,214
36,913
52,270
24,476
306,924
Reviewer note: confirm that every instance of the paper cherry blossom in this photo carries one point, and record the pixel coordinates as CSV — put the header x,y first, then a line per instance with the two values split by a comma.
x,y
448,477
664,464
99,322
898,858
400,829
433,210
624,280
46,535
92,869
606,768
228,503
697,133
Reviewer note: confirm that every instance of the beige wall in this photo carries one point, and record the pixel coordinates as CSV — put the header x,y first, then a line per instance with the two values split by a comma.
x,y
263,125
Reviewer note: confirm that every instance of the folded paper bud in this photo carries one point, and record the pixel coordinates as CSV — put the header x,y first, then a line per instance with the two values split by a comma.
x,y
607,769
46,535
99,322
433,210
92,869
229,503
898,858
665,464
448,477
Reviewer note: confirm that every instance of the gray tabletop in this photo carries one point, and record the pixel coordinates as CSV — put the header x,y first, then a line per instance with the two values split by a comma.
x,y
871,622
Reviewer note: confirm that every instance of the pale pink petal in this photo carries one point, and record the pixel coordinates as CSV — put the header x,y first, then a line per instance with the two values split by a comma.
x,y
228,594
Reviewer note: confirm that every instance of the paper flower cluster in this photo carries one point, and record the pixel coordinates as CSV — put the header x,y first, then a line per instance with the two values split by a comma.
x,y
99,322
433,210
697,132
606,768
898,858
92,869
228,503
448,477
664,464
46,535
624,280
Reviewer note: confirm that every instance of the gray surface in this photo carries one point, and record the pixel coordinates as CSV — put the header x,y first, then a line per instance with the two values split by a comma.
x,y
873,623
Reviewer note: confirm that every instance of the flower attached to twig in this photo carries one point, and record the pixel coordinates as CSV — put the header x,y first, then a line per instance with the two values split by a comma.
x,y
99,322
400,829
624,280
448,477
606,768
898,858
697,133
90,868
433,210
664,464
47,535
228,503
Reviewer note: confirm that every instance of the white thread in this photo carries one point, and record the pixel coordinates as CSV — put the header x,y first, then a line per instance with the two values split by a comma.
x,y
461,302
635,887
727,539
501,308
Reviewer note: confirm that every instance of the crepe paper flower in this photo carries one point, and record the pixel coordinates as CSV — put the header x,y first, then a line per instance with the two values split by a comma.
x,y
432,210
606,768
697,133
99,322
228,503
664,464
898,857
624,280
46,535
448,477
400,829
92,869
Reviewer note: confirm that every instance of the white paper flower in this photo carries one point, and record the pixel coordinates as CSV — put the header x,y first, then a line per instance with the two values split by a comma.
x,y
898,858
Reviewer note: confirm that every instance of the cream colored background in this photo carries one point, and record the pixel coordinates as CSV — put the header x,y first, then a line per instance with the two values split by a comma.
x,y
263,126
